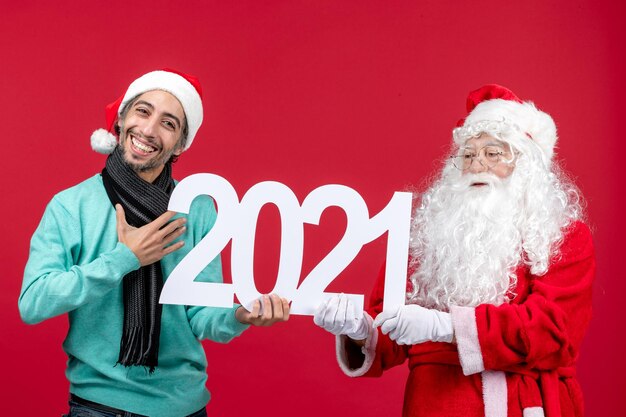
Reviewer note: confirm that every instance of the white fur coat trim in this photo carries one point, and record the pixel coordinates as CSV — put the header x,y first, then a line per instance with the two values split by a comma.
x,y
494,393
533,412
466,334
369,350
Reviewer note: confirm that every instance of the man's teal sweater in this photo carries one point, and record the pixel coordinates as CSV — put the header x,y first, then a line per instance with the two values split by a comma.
x,y
76,266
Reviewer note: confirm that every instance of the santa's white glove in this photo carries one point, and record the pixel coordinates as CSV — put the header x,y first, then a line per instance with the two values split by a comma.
x,y
339,316
411,324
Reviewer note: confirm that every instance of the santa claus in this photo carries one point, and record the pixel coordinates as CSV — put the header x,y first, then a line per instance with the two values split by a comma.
x,y
499,288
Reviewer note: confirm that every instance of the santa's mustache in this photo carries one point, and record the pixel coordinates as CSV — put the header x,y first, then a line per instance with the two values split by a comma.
x,y
482,179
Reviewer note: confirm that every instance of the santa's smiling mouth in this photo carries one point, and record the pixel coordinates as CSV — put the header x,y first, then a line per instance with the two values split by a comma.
x,y
141,146
479,184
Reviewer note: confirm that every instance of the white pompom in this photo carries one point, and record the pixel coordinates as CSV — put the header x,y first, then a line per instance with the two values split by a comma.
x,y
103,141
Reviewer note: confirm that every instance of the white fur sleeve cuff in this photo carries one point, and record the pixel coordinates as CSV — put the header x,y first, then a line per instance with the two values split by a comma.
x,y
466,333
369,350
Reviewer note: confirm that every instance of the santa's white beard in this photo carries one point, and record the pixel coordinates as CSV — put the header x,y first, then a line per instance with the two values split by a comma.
x,y
466,241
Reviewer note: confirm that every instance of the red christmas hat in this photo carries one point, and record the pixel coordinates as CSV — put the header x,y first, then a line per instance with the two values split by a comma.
x,y
496,109
186,88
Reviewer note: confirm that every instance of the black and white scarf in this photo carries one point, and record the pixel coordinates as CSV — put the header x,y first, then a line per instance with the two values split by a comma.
x,y
143,202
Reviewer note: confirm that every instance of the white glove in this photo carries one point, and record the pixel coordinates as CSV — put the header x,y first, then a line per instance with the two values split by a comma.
x,y
338,315
411,324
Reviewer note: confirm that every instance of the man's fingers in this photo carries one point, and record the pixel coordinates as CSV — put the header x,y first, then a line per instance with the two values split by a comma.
x,y
256,307
267,308
173,235
162,220
277,307
286,308
281,308
173,247
172,227
120,217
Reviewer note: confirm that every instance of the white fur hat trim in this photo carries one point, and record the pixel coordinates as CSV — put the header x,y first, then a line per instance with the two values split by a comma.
x,y
103,141
537,125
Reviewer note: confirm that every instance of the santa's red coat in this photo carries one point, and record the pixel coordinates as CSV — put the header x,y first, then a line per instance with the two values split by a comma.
x,y
516,359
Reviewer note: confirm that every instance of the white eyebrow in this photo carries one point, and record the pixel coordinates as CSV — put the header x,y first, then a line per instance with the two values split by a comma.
x,y
498,143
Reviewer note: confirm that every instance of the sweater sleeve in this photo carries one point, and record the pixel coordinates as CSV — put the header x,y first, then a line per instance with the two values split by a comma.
x,y
53,281
380,352
212,323
542,332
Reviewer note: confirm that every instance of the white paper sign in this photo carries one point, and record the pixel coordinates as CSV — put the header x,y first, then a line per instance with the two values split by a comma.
x,y
237,220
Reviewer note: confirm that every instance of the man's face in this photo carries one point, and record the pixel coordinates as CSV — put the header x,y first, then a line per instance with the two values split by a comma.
x,y
485,154
150,132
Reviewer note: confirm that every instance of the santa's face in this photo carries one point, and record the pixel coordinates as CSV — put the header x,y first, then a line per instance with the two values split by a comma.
x,y
151,131
486,154
466,238
476,226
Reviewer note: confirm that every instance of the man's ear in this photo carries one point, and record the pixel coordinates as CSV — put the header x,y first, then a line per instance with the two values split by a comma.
x,y
179,150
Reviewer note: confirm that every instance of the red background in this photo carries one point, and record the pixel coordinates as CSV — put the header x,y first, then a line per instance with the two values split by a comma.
x,y
307,93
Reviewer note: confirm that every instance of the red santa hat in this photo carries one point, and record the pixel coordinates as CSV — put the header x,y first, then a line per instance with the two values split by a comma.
x,y
494,109
186,88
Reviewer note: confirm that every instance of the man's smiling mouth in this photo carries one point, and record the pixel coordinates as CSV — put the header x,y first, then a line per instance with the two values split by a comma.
x,y
141,146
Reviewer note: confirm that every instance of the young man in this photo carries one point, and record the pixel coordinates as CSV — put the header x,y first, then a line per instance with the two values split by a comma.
x,y
499,289
101,253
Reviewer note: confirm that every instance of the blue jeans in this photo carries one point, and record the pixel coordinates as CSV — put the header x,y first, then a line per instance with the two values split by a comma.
x,y
79,410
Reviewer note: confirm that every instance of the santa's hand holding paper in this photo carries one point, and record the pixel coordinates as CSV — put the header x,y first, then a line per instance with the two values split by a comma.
x,y
411,324
339,316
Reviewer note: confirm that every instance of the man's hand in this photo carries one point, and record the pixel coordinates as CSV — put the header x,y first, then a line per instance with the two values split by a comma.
x,y
338,316
150,243
275,309
412,324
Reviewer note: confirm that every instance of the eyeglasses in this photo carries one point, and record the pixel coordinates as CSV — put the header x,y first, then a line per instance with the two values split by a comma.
x,y
488,156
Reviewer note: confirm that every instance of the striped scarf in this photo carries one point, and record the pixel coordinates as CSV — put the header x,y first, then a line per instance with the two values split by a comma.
x,y
143,202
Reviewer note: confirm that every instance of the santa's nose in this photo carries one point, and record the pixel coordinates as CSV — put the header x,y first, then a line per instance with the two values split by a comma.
x,y
476,166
